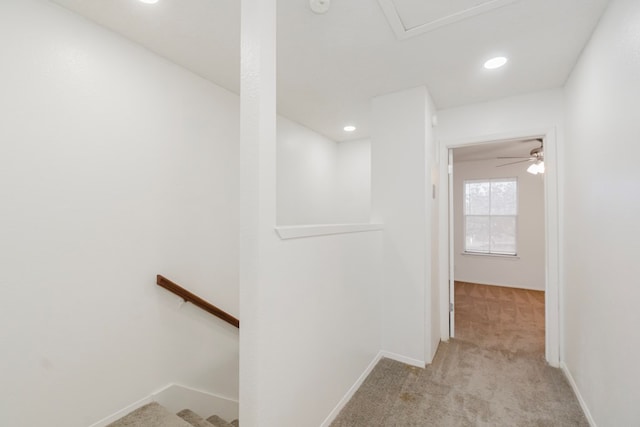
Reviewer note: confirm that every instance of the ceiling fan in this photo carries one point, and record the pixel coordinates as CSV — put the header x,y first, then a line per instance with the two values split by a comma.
x,y
536,156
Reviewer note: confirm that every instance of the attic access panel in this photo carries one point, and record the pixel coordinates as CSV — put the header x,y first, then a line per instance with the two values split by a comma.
x,y
410,18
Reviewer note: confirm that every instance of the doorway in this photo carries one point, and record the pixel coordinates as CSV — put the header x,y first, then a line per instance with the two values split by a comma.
x,y
547,231
498,245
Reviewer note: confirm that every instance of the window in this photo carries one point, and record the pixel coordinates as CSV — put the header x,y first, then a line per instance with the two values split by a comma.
x,y
490,216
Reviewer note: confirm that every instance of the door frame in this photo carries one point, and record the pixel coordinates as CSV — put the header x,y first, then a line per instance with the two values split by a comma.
x,y
552,233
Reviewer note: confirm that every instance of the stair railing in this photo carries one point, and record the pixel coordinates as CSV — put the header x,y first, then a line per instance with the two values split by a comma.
x,y
196,300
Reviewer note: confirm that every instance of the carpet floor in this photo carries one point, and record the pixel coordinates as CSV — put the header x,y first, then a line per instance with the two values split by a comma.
x,y
492,374
500,318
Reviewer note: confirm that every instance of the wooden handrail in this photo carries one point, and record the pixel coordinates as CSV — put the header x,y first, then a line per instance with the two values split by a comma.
x,y
196,300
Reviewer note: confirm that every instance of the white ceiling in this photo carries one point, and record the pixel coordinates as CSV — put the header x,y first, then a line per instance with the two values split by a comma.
x,y
330,66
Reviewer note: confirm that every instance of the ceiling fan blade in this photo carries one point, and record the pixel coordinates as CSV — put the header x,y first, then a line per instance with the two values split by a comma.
x,y
514,157
513,163
532,139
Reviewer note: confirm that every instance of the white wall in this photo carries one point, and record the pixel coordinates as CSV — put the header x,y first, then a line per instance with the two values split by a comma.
x,y
321,181
354,181
602,211
324,326
527,269
307,172
535,111
401,152
115,165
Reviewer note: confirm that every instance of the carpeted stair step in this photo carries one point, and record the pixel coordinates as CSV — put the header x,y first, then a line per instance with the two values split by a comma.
x,y
194,419
151,415
218,422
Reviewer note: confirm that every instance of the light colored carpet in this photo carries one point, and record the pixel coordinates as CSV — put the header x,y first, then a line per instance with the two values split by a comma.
x,y
500,318
495,377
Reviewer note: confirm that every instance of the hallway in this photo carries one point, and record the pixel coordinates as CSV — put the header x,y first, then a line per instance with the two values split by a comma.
x,y
493,374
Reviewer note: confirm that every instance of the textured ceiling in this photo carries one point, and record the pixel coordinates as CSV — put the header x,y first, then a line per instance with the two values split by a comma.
x,y
330,66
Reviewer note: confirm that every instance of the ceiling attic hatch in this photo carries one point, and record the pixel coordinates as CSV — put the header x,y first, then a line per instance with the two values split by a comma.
x,y
409,18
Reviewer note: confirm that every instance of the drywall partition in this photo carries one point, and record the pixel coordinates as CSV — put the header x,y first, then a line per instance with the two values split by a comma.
x,y
526,270
322,328
310,307
115,166
538,114
601,221
400,155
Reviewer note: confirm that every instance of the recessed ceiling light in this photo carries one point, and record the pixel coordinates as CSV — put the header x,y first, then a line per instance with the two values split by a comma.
x,y
496,62
149,1
349,128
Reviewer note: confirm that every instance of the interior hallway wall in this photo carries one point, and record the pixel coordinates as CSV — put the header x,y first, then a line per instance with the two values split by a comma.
x,y
354,181
323,326
307,175
602,211
115,165
535,111
526,270
402,147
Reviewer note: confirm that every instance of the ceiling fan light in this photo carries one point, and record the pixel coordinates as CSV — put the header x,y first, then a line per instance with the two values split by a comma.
x,y
541,167
536,168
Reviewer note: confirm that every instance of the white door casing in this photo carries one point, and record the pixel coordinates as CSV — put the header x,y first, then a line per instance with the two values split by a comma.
x,y
552,240
452,300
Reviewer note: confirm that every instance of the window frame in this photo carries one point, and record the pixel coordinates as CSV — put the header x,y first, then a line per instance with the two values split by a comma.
x,y
465,215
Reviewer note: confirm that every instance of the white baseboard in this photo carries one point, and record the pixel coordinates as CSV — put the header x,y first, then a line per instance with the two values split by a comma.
x,y
501,285
334,413
574,386
176,397
403,359
352,390
122,412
